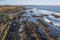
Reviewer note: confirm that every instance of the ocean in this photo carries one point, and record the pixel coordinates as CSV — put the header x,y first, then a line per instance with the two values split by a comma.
x,y
37,10
54,8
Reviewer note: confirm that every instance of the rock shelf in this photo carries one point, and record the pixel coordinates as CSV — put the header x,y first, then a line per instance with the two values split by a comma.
x,y
29,25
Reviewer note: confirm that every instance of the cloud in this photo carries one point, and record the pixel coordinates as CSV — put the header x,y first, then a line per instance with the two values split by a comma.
x,y
57,3
2,0
30,2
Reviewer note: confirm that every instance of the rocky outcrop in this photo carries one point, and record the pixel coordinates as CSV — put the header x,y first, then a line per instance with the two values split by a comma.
x,y
25,25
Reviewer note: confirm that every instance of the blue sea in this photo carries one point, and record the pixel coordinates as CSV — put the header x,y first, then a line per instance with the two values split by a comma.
x,y
55,8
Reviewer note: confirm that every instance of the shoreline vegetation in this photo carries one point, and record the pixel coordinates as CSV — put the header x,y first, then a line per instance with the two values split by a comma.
x,y
9,8
18,23
4,19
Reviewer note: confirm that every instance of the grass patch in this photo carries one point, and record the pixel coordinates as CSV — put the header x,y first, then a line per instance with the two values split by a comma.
x,y
3,15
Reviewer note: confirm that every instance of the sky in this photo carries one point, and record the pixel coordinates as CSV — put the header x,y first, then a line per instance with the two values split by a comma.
x,y
29,2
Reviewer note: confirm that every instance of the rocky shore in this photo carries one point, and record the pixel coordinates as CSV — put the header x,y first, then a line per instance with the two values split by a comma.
x,y
21,24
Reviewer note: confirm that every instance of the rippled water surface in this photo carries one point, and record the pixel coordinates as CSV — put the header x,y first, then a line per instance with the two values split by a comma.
x,y
45,20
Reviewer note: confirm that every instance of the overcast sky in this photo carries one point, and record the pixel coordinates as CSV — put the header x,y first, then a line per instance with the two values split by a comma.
x,y
29,2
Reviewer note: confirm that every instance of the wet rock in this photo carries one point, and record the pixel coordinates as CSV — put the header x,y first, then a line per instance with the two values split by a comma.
x,y
25,26
1,20
56,16
31,11
51,23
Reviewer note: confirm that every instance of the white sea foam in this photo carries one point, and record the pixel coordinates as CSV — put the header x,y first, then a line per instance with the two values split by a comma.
x,y
50,18
37,12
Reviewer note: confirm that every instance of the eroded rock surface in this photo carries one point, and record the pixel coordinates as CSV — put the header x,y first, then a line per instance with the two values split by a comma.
x,y
29,25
